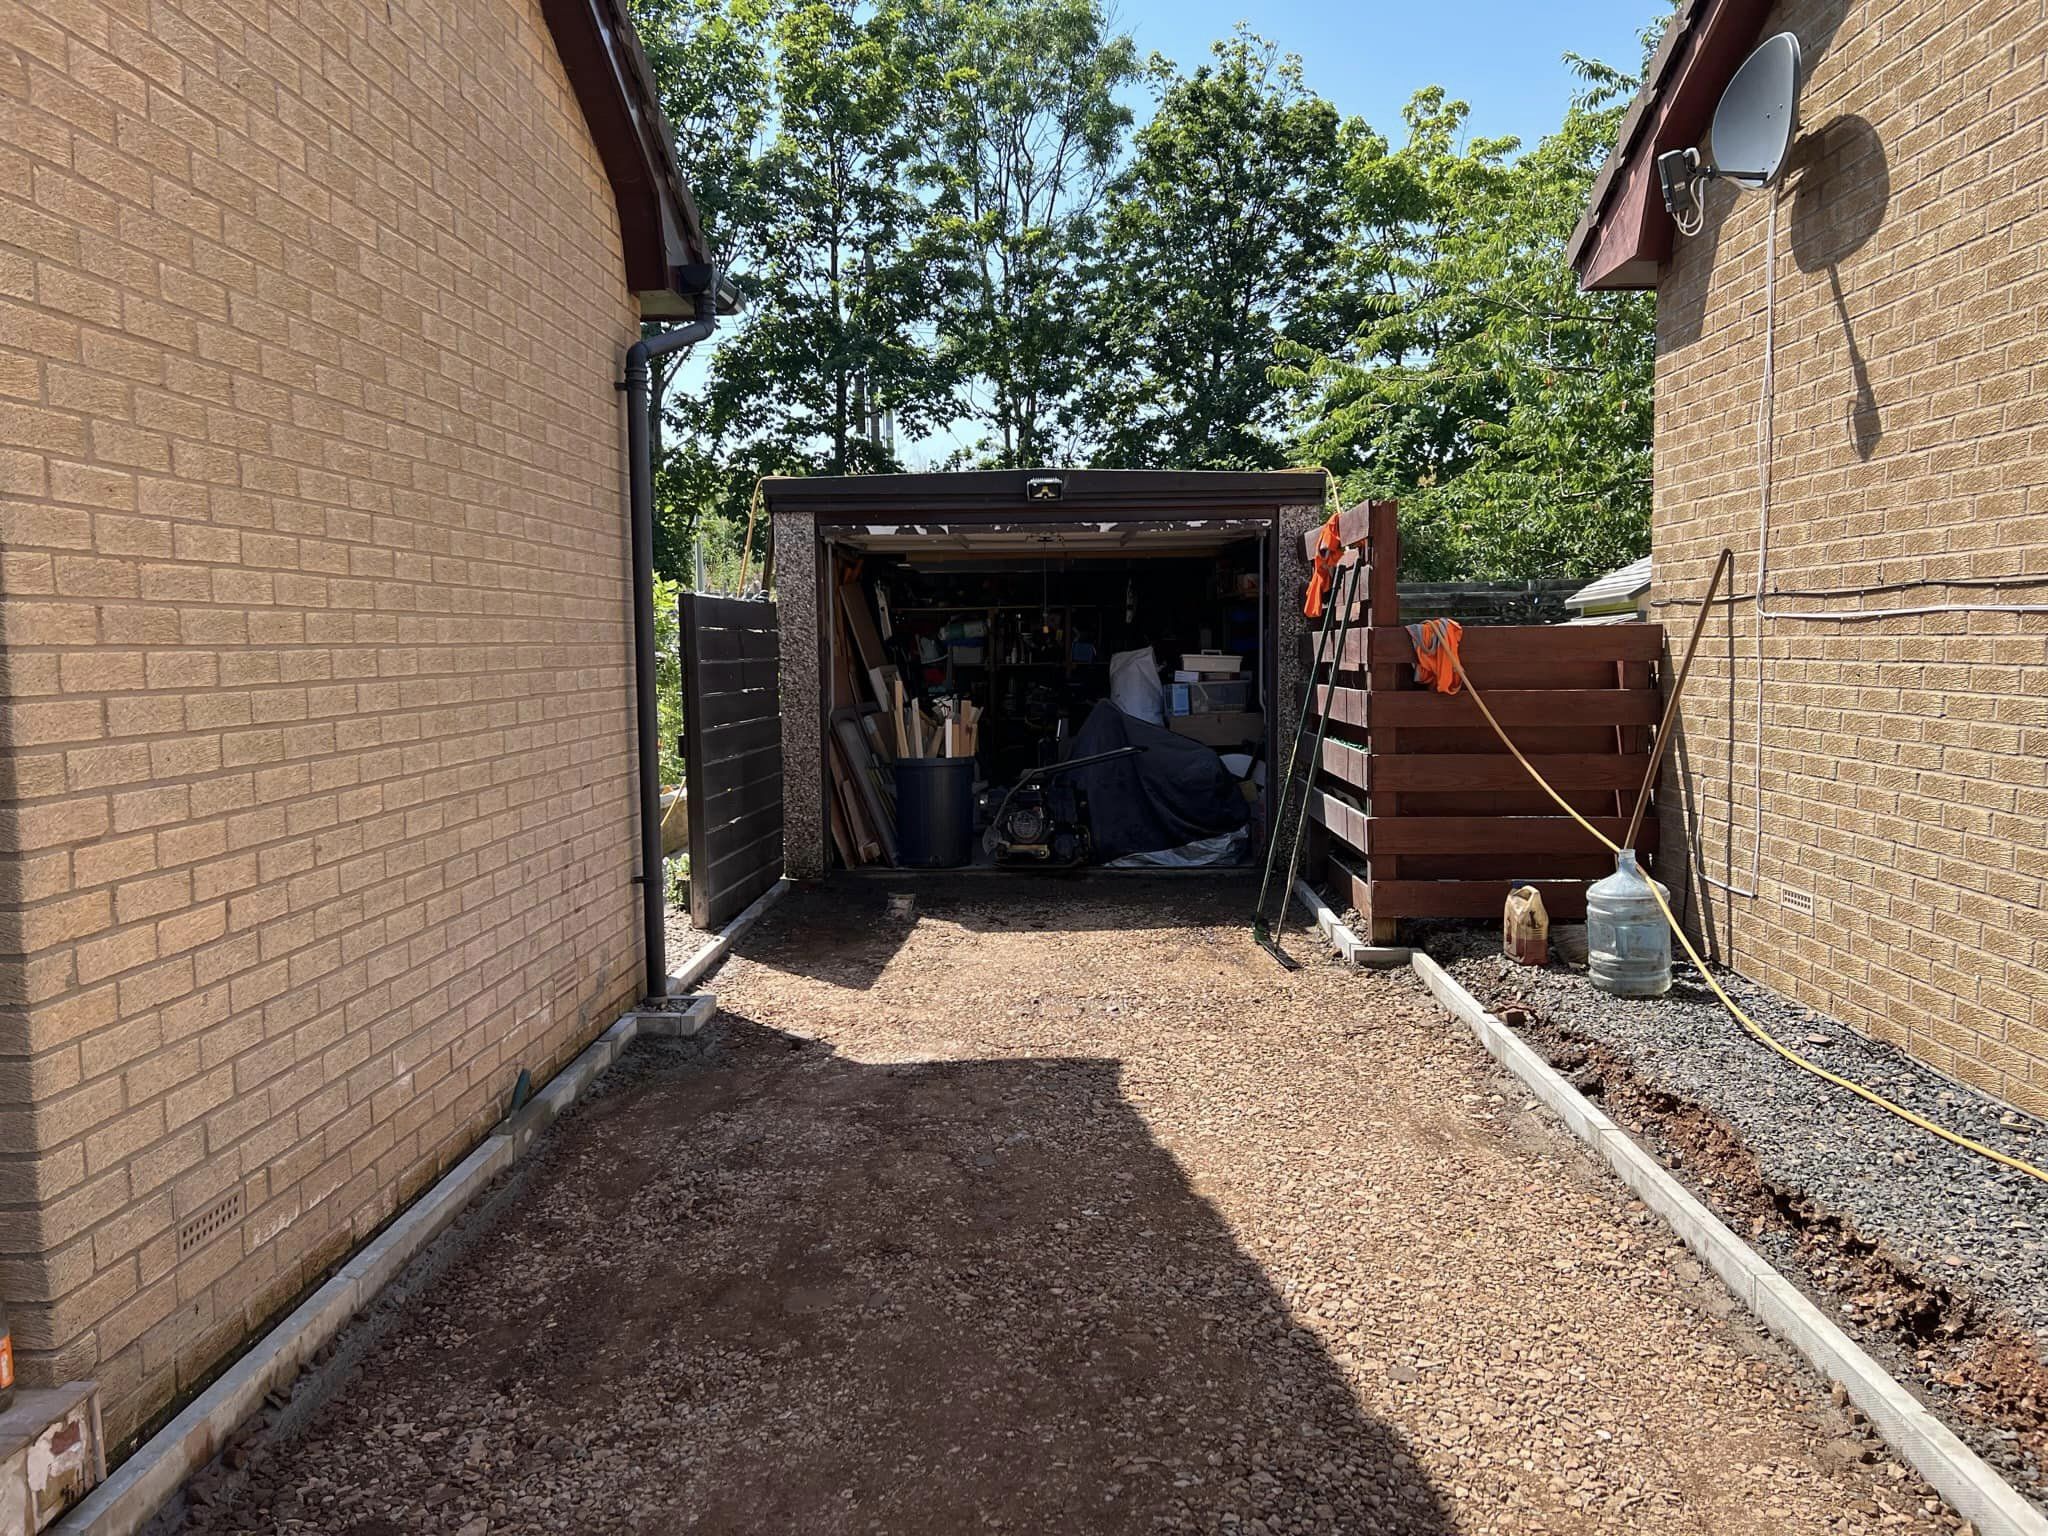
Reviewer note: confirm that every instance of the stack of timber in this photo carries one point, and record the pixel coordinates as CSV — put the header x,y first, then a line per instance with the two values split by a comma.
x,y
874,722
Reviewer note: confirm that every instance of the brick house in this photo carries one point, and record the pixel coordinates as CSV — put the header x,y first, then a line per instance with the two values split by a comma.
x,y
1883,857
319,748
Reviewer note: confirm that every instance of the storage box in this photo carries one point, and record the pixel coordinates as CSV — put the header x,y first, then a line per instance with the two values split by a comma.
x,y
1223,728
1213,697
1211,663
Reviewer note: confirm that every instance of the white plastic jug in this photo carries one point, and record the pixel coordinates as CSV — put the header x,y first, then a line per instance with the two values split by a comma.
x,y
1628,943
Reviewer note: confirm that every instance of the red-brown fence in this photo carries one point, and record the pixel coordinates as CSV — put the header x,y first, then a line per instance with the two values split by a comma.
x,y
1425,813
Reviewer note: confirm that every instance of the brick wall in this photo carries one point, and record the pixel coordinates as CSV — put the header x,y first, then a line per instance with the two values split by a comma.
x,y
1905,761
320,819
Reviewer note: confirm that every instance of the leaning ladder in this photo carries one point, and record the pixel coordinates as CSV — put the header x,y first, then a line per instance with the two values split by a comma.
x,y
1337,620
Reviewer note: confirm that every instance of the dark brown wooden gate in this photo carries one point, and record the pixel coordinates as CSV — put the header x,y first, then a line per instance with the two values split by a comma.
x,y
732,753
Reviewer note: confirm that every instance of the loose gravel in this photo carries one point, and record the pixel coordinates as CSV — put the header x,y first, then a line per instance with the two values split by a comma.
x,y
1950,1249
1061,1207
1977,1225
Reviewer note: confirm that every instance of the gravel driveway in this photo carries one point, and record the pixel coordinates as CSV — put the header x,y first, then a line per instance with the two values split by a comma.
x,y
1062,1208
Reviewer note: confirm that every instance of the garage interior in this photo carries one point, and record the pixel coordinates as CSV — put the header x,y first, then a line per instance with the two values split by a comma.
x,y
1108,669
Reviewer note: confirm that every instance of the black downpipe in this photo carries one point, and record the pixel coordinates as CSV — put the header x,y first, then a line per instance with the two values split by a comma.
x,y
646,712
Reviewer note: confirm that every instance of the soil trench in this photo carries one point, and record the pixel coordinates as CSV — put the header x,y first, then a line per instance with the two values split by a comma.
x,y
1060,1207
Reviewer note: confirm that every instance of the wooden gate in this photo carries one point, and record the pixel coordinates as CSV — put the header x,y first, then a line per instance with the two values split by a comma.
x,y
732,753
1426,814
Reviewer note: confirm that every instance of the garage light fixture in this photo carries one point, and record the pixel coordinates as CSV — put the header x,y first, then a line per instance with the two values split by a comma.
x,y
1044,488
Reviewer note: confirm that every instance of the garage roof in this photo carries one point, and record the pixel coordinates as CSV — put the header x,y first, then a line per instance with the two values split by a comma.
x,y
1083,494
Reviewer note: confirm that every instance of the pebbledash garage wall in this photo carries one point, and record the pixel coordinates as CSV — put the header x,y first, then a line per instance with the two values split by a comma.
x,y
1899,880
805,511
319,818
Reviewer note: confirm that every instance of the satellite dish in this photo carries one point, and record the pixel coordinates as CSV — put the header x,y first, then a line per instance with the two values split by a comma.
x,y
1752,131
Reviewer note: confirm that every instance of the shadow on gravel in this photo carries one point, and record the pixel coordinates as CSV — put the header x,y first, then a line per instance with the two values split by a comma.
x,y
784,1290
828,931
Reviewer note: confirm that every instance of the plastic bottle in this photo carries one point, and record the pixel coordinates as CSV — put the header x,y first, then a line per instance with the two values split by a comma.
x,y
1628,943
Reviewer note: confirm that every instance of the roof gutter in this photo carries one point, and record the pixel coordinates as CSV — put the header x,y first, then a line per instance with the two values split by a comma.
x,y
640,519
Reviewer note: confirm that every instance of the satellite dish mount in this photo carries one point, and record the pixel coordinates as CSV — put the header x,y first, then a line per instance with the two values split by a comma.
x,y
1753,129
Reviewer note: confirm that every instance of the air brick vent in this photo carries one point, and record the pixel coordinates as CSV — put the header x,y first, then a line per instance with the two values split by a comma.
x,y
1800,903
201,1228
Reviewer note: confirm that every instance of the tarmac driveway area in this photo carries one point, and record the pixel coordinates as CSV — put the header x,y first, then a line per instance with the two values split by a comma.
x,y
1061,1208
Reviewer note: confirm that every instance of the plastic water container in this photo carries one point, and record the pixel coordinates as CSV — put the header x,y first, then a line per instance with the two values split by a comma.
x,y
1628,943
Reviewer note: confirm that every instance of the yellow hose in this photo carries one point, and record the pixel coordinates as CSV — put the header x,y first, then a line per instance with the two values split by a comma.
x,y
1728,1002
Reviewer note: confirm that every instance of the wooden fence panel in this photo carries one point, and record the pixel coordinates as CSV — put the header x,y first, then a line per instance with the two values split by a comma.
x,y
1425,812
732,753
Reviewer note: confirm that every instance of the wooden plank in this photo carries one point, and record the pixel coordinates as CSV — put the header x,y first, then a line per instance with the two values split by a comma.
x,y
1346,823
1507,802
744,832
1345,762
717,709
1515,706
738,675
757,789
1354,527
1565,899
1475,738
727,742
1485,644
1492,834
860,619
1383,562
736,644
1588,863
1445,771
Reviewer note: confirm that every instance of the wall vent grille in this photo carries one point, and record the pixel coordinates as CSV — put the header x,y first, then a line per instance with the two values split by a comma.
x,y
201,1228
1799,903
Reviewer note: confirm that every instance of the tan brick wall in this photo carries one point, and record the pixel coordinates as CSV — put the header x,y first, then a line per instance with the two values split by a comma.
x,y
320,820
1905,766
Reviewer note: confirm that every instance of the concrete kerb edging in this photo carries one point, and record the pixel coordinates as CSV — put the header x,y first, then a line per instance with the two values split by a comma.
x,y
1349,946
142,1484
707,957
1950,1467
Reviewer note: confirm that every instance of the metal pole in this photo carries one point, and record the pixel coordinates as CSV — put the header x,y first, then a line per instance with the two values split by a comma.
x,y
1279,811
1315,763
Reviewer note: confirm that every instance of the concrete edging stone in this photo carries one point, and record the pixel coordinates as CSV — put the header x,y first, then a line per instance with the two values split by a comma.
x,y
1349,946
131,1496
1971,1486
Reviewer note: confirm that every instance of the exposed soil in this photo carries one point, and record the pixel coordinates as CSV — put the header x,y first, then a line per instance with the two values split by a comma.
x,y
1971,1356
1062,1208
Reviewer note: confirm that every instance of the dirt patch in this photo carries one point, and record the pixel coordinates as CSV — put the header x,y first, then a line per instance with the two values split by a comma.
x,y
1063,1208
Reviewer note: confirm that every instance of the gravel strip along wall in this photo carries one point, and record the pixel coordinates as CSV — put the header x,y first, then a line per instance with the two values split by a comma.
x,y
1961,1476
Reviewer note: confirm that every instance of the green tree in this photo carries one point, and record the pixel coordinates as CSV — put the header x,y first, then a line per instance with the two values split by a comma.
x,y
1507,411
830,357
1018,131
710,63
1217,245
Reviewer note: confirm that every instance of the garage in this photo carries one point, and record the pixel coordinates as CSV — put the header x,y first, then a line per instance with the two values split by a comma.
x,y
1096,661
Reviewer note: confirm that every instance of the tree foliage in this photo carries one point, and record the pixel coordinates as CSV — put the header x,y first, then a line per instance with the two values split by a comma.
x,y
948,226
1018,127
1507,412
1216,247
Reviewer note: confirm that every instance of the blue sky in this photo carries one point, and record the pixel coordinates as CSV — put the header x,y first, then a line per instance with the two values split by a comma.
x,y
1367,57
